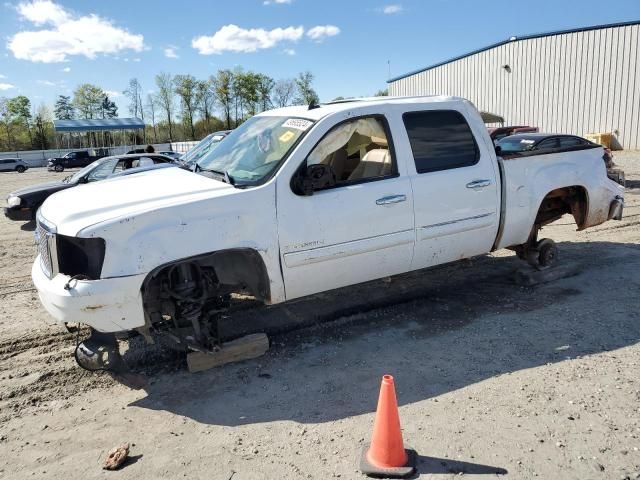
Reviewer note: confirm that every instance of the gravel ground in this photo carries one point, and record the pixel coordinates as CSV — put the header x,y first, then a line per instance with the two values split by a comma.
x,y
493,379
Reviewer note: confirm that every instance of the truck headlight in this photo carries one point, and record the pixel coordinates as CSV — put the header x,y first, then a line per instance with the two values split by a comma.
x,y
80,256
14,201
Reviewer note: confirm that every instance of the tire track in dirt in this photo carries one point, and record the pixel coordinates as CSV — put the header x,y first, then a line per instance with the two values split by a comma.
x,y
38,368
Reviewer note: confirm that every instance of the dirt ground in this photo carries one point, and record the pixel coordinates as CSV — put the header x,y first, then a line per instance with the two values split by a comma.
x,y
493,379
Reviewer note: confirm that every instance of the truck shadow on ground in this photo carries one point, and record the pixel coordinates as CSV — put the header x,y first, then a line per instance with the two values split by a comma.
x,y
439,331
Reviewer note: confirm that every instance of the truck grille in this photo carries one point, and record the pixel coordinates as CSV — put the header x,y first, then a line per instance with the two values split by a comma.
x,y
46,239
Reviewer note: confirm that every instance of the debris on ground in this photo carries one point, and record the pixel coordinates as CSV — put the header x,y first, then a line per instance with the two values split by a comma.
x,y
116,457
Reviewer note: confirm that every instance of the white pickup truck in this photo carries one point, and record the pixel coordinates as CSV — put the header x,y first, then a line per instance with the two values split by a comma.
x,y
297,201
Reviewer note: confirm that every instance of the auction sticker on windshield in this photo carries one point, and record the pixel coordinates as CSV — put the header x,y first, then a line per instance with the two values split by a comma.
x,y
297,123
286,136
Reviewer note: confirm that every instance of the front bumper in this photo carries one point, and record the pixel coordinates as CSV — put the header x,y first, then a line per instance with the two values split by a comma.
x,y
18,214
107,305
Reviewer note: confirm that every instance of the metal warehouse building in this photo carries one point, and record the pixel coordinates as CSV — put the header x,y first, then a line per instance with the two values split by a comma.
x,y
579,81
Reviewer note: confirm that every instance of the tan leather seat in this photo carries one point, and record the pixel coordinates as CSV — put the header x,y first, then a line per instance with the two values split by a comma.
x,y
376,163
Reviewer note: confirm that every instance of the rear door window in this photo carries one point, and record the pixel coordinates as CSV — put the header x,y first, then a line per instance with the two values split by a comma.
x,y
440,140
548,144
568,142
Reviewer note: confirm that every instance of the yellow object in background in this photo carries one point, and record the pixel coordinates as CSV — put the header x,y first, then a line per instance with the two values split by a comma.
x,y
603,139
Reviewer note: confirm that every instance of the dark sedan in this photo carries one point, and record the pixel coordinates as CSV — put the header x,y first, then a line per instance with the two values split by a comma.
x,y
23,204
541,143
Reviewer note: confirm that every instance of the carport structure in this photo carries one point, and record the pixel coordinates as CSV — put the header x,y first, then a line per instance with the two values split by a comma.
x,y
100,132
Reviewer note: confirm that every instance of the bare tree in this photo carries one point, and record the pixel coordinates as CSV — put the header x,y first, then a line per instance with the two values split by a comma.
x,y
283,92
164,82
151,110
134,94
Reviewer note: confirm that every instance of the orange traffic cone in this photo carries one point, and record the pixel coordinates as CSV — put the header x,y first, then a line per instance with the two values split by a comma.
x,y
386,455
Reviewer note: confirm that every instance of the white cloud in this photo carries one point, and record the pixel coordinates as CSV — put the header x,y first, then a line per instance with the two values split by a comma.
x,y
392,9
321,32
289,51
66,69
171,52
41,12
232,38
6,86
276,2
67,34
113,94
47,83
2,76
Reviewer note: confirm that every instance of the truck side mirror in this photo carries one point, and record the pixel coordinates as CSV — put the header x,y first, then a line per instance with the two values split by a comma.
x,y
317,177
498,150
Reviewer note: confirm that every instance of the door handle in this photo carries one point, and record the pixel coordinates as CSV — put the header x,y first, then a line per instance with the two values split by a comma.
x,y
479,184
391,199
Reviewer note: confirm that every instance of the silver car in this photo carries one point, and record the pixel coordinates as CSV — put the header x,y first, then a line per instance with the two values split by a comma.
x,y
12,165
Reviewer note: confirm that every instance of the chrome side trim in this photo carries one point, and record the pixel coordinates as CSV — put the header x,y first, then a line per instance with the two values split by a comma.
x,y
458,221
347,249
455,226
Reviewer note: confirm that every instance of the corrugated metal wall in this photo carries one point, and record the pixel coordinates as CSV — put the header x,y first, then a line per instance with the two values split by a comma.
x,y
578,83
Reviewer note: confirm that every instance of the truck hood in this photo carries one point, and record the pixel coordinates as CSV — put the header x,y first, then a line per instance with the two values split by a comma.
x,y
86,205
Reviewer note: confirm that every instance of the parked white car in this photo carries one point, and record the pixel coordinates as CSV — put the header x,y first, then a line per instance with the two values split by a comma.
x,y
298,201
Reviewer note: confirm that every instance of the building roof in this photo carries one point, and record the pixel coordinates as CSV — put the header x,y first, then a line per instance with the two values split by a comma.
x,y
92,125
515,39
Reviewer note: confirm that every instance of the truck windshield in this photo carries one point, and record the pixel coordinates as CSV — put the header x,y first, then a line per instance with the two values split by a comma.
x,y
255,149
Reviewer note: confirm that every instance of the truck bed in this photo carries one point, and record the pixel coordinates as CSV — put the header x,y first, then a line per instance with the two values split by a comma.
x,y
528,178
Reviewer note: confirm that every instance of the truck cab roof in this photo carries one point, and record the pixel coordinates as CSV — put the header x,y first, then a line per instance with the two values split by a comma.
x,y
316,112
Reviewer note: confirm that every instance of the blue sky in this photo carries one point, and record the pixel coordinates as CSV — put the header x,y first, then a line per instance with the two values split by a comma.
x,y
345,43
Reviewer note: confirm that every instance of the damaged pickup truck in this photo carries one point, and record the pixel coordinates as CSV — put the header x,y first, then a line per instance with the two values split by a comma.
x,y
297,201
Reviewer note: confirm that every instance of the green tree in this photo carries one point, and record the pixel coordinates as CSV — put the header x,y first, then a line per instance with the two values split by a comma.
x,y
306,94
265,87
205,99
7,122
20,113
186,89
164,82
109,109
381,93
223,92
246,87
63,109
42,126
87,100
